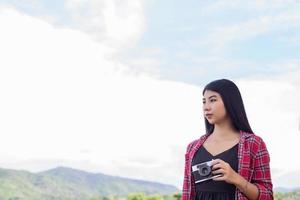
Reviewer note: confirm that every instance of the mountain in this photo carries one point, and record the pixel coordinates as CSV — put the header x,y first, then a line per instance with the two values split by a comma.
x,y
288,182
67,183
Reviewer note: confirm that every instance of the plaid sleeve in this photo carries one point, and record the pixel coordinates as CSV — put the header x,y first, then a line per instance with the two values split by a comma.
x,y
261,175
186,177
186,182
188,186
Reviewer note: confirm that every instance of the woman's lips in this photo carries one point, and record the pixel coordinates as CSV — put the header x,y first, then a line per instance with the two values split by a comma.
x,y
208,115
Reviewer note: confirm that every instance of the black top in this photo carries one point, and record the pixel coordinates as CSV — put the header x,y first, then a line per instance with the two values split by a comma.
x,y
216,190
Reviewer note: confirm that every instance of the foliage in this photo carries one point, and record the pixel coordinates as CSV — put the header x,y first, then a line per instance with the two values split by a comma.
x,y
287,196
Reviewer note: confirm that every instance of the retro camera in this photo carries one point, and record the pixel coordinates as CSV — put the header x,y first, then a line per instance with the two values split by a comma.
x,y
203,172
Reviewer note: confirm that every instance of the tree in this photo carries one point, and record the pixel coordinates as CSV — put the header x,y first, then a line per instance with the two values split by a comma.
x,y
177,196
136,196
154,197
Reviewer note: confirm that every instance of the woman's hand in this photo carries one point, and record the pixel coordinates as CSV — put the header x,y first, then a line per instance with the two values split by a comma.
x,y
230,176
222,167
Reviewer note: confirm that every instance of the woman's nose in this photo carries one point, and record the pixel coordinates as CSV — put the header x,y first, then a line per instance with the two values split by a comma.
x,y
206,107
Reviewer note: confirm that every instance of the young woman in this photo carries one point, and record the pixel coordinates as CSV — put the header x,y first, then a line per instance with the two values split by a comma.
x,y
238,159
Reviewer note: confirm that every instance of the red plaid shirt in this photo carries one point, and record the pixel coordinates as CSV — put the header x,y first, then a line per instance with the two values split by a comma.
x,y
253,158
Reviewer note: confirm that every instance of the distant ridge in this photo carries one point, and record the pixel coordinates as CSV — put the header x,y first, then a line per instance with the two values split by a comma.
x,y
285,190
68,183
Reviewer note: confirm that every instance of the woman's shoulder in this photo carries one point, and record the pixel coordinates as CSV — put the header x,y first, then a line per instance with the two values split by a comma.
x,y
194,142
254,140
252,137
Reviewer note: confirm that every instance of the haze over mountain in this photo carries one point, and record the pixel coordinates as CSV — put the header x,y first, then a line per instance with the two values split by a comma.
x,y
63,182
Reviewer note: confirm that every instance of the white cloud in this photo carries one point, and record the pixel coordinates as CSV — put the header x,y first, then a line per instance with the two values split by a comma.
x,y
118,23
273,109
114,22
65,101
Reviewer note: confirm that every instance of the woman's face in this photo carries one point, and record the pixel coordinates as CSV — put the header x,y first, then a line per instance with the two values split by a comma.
x,y
213,107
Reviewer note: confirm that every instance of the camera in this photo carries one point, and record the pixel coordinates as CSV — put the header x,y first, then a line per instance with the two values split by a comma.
x,y
203,172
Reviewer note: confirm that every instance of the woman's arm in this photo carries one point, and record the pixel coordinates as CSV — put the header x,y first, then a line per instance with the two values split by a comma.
x,y
230,176
248,189
260,185
261,174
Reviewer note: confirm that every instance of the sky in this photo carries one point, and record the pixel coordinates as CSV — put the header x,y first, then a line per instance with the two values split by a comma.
x,y
115,86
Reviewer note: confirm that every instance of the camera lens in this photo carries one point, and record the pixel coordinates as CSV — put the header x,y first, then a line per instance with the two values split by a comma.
x,y
204,170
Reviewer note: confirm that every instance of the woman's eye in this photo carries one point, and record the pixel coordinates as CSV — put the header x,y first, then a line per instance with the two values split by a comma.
x,y
213,100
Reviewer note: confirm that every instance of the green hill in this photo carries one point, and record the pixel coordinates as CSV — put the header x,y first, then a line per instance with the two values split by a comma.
x,y
65,183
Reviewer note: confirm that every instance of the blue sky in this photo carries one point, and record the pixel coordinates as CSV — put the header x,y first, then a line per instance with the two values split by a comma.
x,y
85,75
197,38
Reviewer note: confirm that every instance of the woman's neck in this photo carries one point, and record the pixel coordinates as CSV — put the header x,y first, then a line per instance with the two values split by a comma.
x,y
224,131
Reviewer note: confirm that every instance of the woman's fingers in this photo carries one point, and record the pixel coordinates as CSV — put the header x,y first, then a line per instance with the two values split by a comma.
x,y
216,166
221,167
218,171
216,163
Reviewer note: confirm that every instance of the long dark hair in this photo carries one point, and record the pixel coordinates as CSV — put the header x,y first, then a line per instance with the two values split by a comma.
x,y
233,103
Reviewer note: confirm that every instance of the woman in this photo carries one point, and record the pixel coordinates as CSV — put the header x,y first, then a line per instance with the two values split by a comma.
x,y
238,159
